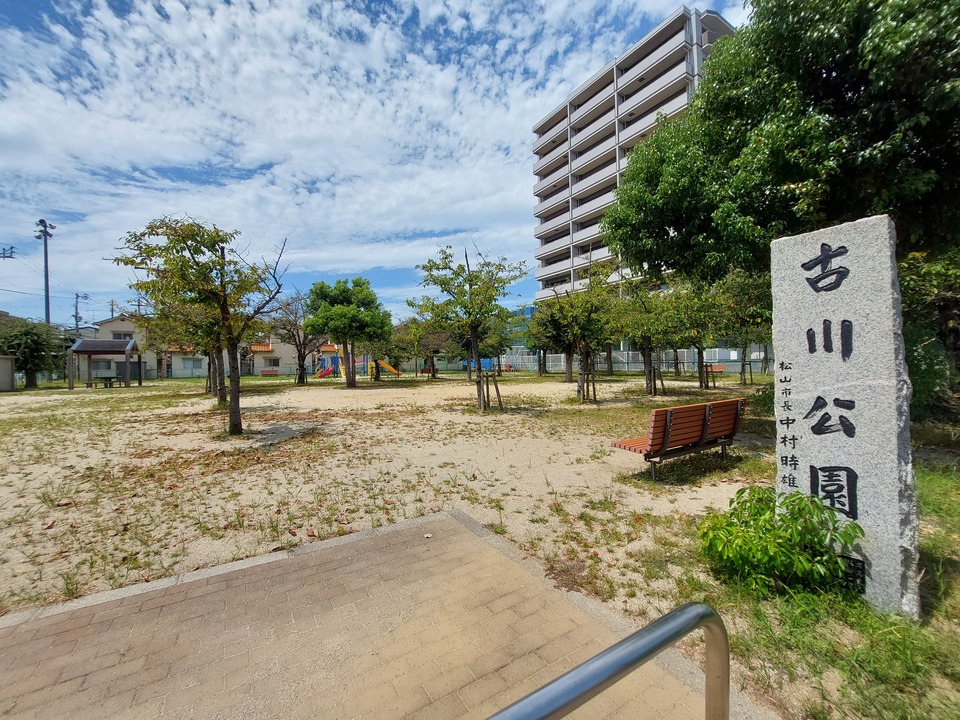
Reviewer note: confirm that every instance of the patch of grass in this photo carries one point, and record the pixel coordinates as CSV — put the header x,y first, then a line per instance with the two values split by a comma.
x,y
935,434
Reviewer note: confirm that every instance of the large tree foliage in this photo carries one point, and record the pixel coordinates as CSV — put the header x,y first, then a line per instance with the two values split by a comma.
x,y
816,113
469,298
350,313
36,347
184,266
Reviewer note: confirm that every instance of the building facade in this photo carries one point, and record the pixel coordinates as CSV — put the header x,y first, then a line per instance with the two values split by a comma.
x,y
582,145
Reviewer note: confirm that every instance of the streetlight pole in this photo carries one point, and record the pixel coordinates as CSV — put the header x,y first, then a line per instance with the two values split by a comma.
x,y
45,234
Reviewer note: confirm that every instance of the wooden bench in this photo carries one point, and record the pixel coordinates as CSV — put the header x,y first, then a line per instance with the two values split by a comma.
x,y
686,429
269,372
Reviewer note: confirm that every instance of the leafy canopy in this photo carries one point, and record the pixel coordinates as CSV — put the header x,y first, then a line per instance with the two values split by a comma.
x,y
815,113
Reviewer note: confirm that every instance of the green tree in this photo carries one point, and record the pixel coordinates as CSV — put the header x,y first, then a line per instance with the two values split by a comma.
x,y
546,331
349,312
644,321
816,113
289,325
745,305
36,347
584,322
469,302
186,265
693,313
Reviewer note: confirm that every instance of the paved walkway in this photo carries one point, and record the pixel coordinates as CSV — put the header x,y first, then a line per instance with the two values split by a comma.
x,y
383,624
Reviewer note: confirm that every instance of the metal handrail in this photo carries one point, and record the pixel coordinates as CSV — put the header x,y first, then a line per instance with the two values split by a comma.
x,y
589,679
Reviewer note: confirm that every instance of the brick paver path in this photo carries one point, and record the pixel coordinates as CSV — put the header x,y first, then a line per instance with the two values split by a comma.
x,y
385,624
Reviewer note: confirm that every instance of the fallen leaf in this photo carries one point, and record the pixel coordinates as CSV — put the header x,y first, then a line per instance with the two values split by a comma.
x,y
428,535
292,531
50,525
311,532
64,503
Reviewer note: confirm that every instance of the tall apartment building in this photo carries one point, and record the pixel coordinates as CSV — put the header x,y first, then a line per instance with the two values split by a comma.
x,y
582,145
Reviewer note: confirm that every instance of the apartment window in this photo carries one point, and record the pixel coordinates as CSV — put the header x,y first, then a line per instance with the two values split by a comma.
x,y
271,362
123,336
101,365
193,363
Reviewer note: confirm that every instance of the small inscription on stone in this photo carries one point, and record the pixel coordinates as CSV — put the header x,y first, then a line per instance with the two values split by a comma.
x,y
843,395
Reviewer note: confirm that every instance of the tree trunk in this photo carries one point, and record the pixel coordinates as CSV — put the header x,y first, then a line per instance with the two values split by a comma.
x,y
351,366
676,363
701,370
568,362
649,371
301,367
609,358
233,363
30,379
541,362
222,377
743,365
475,347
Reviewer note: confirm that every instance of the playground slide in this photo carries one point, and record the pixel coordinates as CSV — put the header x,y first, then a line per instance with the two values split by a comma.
x,y
324,373
388,367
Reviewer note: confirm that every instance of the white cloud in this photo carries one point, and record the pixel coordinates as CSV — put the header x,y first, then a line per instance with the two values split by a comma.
x,y
365,139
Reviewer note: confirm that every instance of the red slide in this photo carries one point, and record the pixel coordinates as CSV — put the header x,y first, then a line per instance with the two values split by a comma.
x,y
325,372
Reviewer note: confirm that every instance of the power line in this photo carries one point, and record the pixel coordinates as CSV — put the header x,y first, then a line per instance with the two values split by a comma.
x,y
23,292
63,283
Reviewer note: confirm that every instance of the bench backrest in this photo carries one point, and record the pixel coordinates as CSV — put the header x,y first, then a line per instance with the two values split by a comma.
x,y
694,424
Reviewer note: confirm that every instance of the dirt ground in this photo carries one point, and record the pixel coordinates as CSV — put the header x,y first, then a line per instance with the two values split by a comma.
x,y
104,488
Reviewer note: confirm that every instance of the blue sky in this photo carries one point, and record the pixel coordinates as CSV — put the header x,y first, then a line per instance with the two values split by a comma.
x,y
364,133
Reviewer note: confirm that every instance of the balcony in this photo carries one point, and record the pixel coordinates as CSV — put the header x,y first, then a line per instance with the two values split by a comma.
x,y
651,94
552,157
631,135
676,44
589,182
563,266
551,247
594,130
551,292
603,94
598,255
545,228
586,235
594,154
554,134
552,203
554,178
595,205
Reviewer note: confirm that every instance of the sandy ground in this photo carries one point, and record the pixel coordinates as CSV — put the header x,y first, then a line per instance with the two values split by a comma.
x,y
103,488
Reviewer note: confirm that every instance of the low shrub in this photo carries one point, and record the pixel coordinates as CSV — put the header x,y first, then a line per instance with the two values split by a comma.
x,y
773,541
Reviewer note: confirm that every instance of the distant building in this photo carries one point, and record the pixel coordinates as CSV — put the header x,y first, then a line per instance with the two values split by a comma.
x,y
582,145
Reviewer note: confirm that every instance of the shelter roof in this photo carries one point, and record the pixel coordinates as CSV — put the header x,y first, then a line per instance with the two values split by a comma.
x,y
85,346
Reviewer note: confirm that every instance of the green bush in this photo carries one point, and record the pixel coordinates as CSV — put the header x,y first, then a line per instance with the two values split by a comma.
x,y
929,370
768,549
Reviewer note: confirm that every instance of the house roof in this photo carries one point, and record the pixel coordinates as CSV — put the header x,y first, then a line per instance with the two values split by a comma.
x,y
261,347
85,346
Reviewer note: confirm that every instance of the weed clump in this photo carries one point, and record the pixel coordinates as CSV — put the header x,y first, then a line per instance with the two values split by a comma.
x,y
773,541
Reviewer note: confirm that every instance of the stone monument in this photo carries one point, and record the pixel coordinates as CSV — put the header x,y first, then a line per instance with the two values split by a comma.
x,y
842,396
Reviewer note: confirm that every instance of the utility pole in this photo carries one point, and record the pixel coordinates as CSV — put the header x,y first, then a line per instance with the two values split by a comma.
x,y
76,310
44,233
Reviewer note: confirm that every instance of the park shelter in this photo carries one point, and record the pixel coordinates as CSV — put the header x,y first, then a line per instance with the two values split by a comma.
x,y
108,349
6,373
